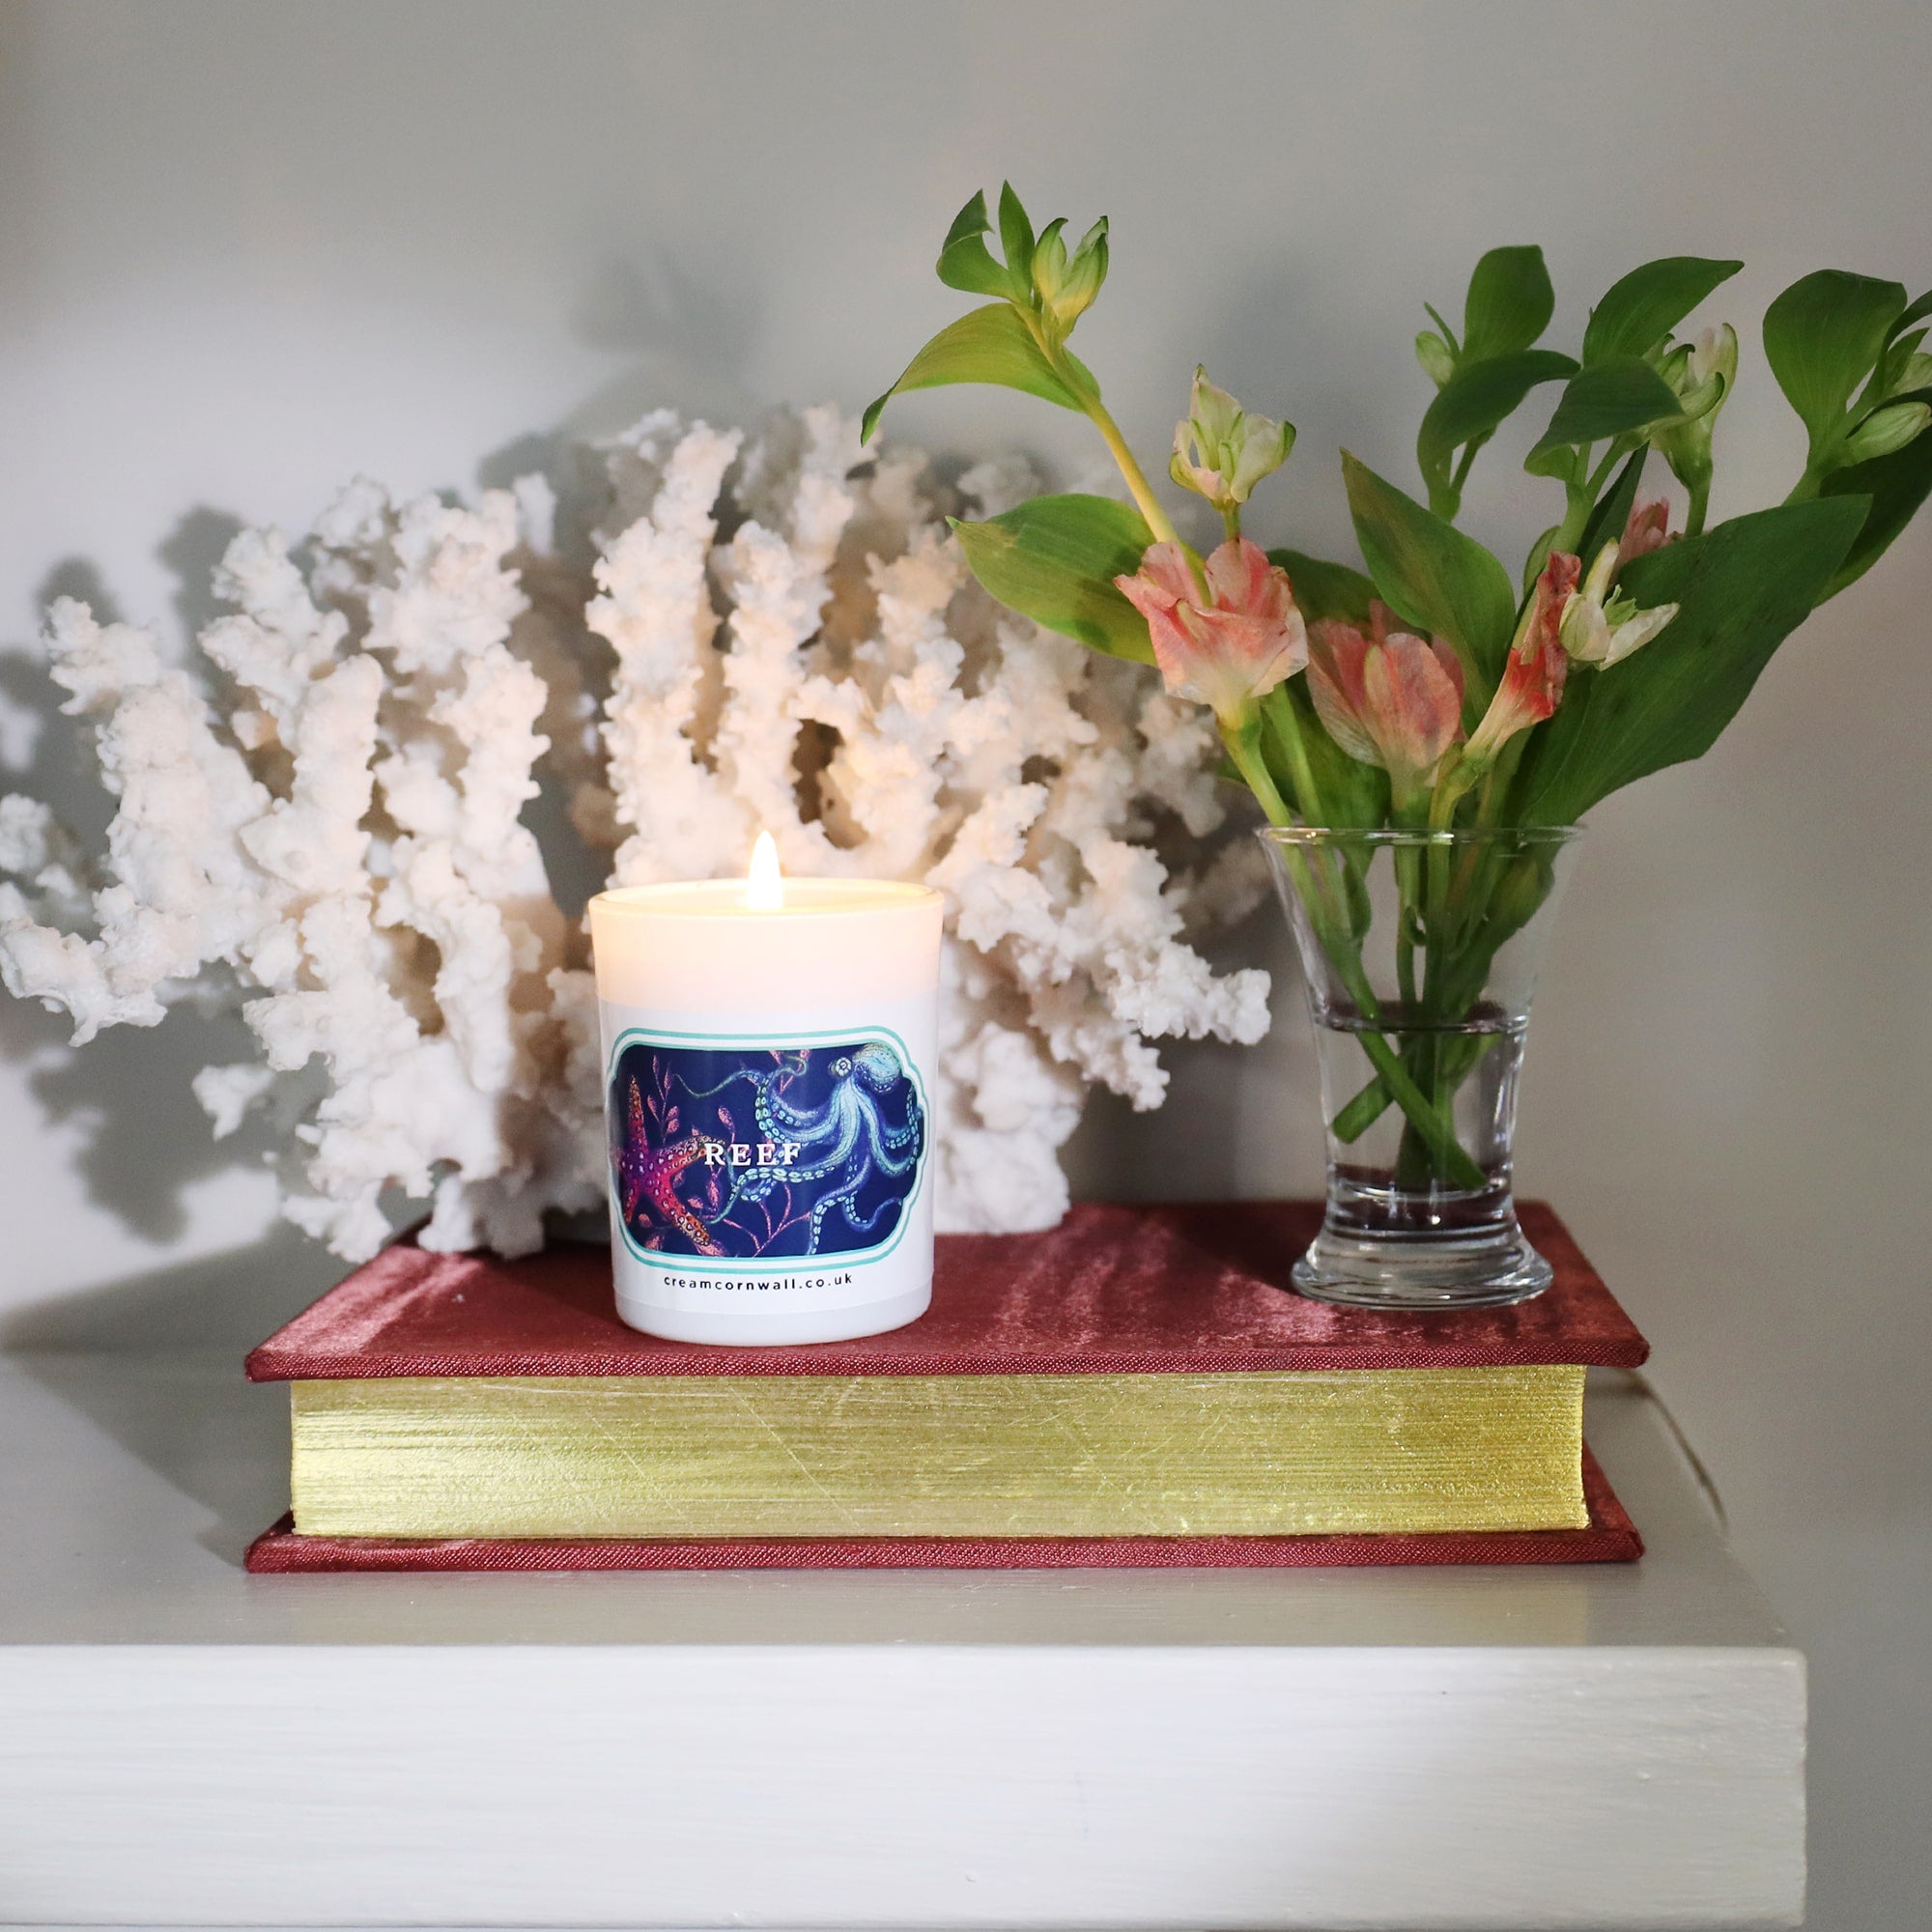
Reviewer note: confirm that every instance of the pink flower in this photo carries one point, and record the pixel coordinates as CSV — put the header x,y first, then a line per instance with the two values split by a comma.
x,y
1533,678
1231,647
1388,699
1647,529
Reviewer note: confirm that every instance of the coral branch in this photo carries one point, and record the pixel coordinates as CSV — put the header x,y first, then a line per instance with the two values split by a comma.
x,y
346,844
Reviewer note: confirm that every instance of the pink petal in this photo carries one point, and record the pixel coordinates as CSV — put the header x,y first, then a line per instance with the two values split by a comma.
x,y
1240,577
1414,706
1533,678
1164,578
1648,529
1171,648
1336,655
1452,666
1244,644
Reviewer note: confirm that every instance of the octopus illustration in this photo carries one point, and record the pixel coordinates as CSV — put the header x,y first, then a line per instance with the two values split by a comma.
x,y
650,1174
847,1139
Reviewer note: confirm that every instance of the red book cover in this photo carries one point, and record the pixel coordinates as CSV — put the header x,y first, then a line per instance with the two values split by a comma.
x,y
1113,1290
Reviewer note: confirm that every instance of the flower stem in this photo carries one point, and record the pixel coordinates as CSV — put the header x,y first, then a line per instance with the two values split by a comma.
x,y
1570,532
1149,505
1158,521
1317,884
1421,1113
1244,743
1287,729
1088,393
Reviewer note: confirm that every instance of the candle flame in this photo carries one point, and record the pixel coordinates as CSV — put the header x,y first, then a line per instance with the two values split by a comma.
x,y
764,883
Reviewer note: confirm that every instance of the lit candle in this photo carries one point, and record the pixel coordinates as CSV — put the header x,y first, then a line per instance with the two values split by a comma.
x,y
768,1063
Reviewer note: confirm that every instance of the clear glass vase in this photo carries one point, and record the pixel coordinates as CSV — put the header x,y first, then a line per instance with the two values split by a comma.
x,y
1420,952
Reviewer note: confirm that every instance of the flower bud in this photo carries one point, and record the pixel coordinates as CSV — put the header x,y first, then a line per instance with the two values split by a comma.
x,y
1049,260
1437,361
1887,430
1702,373
1220,451
1520,893
1066,288
1915,372
1715,353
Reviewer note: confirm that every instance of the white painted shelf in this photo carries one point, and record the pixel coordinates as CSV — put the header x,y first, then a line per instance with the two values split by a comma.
x,y
185,1745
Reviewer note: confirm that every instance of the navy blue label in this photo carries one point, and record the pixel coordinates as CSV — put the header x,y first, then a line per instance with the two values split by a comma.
x,y
751,1152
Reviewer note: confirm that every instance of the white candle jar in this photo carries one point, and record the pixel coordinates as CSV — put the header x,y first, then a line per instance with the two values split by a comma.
x,y
768,1081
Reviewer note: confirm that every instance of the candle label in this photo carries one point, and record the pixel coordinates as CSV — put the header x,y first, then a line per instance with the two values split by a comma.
x,y
763,1152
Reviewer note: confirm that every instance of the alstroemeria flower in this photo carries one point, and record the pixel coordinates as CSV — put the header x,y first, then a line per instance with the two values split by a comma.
x,y
1220,451
1602,629
1388,698
1533,678
1646,528
1229,647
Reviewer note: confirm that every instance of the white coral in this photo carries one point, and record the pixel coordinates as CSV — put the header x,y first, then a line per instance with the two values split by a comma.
x,y
797,648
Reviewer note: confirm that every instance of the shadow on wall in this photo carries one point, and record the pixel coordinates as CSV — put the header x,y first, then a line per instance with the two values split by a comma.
x,y
202,1428
146,1140
218,1439
221,1303
688,340
1239,1121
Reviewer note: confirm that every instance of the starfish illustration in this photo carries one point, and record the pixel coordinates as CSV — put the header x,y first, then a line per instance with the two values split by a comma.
x,y
650,1172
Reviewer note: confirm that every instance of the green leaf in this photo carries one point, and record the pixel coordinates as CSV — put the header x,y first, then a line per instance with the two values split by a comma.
x,y
1740,588
1916,311
1609,399
988,345
1016,237
1509,304
970,220
1433,577
1537,556
1324,589
1055,558
1897,484
1822,336
964,260
1613,507
1448,333
1900,352
968,265
1470,406
1648,304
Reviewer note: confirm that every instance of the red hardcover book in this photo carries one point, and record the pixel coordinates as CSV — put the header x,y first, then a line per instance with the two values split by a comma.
x,y
1116,1291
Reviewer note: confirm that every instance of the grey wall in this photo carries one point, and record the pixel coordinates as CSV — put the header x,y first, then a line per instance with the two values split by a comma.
x,y
248,250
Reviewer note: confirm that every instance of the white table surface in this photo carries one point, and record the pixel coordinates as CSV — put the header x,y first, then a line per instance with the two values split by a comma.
x,y
182,1744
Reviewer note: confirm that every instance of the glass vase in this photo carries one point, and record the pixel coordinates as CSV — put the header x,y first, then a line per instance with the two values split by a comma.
x,y
1420,953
